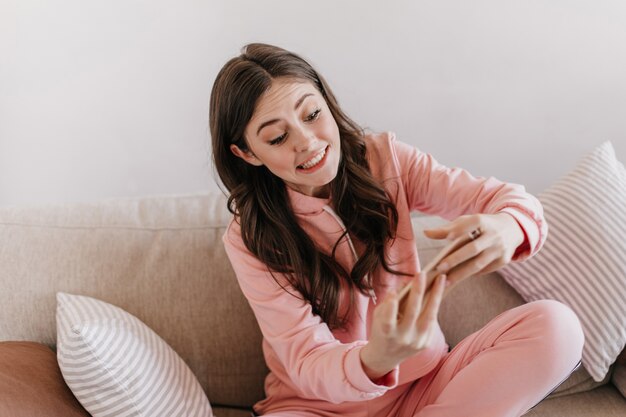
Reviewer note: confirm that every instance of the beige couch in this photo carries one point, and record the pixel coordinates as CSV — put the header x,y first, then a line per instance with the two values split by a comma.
x,y
162,259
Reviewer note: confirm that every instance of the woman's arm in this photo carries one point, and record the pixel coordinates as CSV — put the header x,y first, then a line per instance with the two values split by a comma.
x,y
318,365
433,188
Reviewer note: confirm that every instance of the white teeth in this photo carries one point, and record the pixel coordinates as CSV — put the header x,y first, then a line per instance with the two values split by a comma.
x,y
314,161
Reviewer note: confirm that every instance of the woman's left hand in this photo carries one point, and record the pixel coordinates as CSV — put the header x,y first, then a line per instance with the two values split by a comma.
x,y
500,236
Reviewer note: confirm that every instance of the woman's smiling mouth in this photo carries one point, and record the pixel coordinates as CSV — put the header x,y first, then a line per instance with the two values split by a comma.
x,y
316,162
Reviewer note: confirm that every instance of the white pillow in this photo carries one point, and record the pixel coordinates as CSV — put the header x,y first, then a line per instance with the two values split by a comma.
x,y
583,262
116,366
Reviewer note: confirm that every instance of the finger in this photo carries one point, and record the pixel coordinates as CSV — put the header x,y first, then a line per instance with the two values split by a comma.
x,y
386,313
492,267
428,334
463,254
414,302
471,267
439,233
431,306
463,224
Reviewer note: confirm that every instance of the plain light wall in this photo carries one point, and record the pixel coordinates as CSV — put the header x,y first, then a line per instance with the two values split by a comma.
x,y
110,99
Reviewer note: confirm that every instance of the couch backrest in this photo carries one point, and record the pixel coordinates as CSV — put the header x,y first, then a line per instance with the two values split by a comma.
x,y
162,259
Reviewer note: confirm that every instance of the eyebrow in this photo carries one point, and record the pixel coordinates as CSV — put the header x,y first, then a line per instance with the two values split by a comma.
x,y
269,122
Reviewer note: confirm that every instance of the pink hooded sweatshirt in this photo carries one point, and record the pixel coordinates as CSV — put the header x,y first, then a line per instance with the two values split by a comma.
x,y
313,367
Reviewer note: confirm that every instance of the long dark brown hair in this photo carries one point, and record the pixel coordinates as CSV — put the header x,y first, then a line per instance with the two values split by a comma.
x,y
259,199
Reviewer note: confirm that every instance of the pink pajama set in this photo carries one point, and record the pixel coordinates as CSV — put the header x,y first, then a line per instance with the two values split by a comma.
x,y
502,370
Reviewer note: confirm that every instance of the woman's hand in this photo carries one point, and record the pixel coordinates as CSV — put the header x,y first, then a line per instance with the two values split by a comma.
x,y
400,332
500,236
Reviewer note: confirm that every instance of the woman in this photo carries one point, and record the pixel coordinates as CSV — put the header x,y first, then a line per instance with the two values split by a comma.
x,y
321,242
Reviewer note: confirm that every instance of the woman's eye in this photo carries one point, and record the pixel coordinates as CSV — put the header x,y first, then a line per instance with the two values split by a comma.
x,y
278,139
282,137
314,115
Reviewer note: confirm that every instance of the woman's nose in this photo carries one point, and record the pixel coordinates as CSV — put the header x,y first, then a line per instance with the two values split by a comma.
x,y
304,141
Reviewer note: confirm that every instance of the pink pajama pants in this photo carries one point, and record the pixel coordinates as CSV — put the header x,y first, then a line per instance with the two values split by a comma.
x,y
502,370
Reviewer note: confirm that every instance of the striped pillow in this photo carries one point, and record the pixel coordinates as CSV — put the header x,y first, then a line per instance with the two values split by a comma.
x,y
583,262
116,366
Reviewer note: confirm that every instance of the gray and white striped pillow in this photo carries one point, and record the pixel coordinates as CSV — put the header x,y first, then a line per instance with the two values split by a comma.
x,y
583,262
116,366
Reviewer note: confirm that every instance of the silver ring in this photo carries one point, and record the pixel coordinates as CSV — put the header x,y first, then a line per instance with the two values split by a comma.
x,y
474,233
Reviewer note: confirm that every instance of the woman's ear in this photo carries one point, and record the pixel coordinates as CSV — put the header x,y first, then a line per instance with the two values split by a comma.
x,y
247,156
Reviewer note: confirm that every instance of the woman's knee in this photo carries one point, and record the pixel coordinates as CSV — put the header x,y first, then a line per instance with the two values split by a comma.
x,y
560,327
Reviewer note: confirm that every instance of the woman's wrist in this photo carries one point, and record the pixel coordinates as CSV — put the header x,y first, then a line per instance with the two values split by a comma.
x,y
519,231
373,366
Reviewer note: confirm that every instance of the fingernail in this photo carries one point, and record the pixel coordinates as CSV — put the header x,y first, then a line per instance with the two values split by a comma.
x,y
442,267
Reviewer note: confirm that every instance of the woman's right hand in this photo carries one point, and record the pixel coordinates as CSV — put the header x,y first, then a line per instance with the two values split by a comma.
x,y
396,335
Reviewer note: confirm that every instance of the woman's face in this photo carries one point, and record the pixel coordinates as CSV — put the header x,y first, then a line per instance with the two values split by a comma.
x,y
293,134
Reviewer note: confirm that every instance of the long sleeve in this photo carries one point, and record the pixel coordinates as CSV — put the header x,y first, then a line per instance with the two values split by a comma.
x,y
451,192
303,348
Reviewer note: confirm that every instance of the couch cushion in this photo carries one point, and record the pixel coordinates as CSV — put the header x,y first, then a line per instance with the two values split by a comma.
x,y
619,375
232,412
583,262
604,401
31,384
159,258
116,365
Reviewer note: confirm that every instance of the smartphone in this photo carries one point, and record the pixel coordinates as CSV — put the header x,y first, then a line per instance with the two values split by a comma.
x,y
430,268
